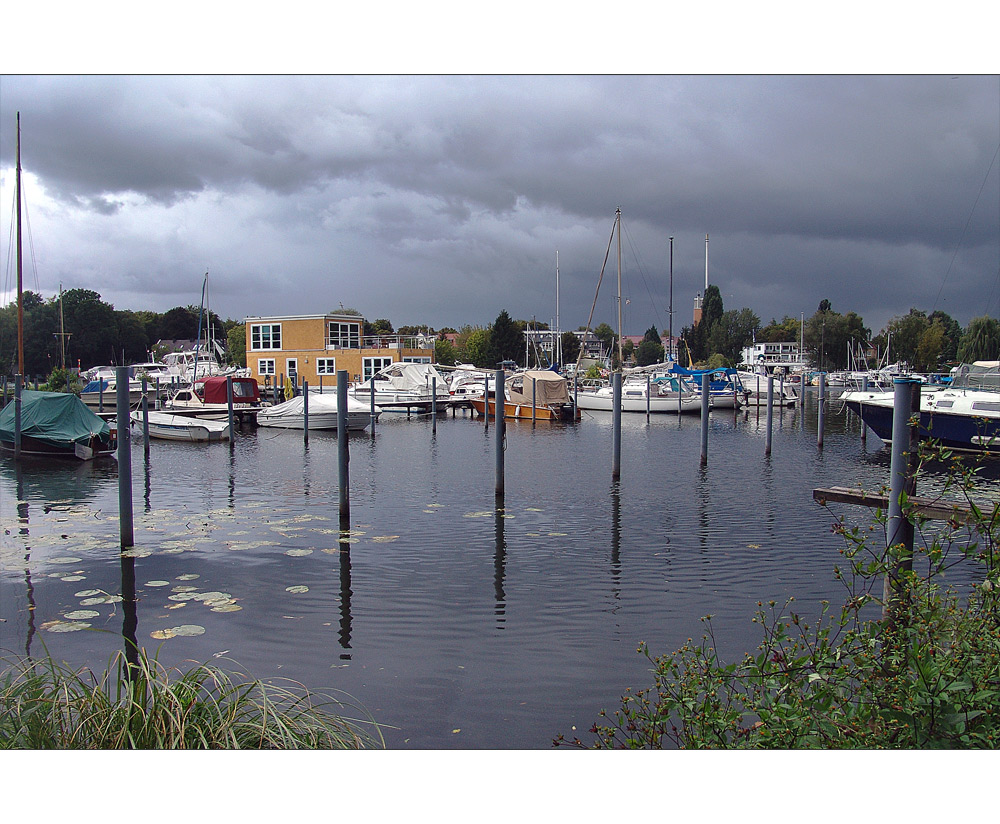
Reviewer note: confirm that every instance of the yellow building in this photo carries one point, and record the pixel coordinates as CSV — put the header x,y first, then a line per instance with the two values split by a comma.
x,y
314,348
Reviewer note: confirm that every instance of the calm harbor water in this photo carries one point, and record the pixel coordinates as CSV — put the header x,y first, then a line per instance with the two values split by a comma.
x,y
455,624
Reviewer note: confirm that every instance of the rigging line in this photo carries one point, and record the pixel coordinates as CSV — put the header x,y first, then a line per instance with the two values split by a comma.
x,y
966,229
642,274
590,319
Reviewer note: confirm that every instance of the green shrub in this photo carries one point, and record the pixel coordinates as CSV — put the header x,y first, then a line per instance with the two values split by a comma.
x,y
922,671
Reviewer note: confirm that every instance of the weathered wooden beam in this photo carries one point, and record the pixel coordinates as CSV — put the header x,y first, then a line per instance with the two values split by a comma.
x,y
931,509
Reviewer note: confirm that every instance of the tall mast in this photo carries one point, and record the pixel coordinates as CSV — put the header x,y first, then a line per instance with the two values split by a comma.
x,y
557,343
618,226
62,333
20,297
706,261
670,311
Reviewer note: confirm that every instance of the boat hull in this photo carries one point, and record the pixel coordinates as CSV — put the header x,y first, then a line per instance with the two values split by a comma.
x,y
180,428
658,404
356,421
520,411
955,431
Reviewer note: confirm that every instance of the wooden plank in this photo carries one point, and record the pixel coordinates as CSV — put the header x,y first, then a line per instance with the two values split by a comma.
x,y
929,508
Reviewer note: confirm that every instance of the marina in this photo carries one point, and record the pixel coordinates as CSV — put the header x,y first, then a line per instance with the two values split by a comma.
x,y
457,620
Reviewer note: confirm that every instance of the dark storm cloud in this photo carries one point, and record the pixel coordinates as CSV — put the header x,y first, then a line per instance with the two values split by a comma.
x,y
444,199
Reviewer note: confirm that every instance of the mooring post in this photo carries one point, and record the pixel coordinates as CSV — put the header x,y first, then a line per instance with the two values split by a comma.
x,y
229,406
501,425
821,411
486,400
434,400
533,389
100,394
373,415
343,455
124,459
649,387
17,417
305,411
902,480
705,396
864,426
145,421
616,425
770,412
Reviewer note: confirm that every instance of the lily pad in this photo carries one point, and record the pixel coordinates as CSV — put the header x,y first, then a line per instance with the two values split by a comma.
x,y
184,589
297,589
298,552
65,626
65,559
86,593
161,634
79,614
157,583
136,553
188,630
100,599
227,608
190,576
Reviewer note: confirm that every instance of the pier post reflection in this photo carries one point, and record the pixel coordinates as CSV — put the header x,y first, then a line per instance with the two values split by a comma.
x,y
130,616
499,569
616,538
29,587
345,593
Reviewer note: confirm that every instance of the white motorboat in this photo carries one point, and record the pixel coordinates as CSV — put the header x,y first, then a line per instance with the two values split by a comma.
x,y
635,399
404,386
323,412
755,385
208,398
181,427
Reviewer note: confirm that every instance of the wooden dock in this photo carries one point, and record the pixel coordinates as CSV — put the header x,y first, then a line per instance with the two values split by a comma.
x,y
931,508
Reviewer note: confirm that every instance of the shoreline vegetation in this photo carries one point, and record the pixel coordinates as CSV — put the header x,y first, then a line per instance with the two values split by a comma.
x,y
139,704
910,660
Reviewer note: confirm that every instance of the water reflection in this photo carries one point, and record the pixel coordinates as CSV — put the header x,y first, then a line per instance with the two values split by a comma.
x,y
499,568
616,539
345,594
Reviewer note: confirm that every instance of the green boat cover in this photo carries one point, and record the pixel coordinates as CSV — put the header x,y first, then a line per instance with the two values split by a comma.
x,y
58,418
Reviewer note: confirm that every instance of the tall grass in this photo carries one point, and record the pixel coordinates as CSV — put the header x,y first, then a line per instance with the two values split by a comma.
x,y
144,705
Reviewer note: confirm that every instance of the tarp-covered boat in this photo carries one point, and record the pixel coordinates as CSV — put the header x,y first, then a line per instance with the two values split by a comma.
x,y
58,425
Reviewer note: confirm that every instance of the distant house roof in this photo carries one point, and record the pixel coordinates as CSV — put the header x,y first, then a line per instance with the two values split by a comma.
x,y
177,345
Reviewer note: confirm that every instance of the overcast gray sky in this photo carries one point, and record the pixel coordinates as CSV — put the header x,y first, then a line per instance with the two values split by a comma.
x,y
444,199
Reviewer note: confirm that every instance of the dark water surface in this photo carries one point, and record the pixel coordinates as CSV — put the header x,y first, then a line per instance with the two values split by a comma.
x,y
455,624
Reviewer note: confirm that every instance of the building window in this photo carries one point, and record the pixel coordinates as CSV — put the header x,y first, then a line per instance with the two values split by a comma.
x,y
343,336
415,359
373,365
326,366
265,366
265,336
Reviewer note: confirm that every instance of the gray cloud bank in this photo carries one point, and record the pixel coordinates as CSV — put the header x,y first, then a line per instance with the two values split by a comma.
x,y
443,200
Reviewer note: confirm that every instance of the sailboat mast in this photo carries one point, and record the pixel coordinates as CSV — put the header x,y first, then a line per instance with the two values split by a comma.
x,y
62,334
618,225
670,310
20,296
557,344
706,261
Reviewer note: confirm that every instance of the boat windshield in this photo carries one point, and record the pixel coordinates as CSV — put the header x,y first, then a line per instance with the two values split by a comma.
x,y
979,375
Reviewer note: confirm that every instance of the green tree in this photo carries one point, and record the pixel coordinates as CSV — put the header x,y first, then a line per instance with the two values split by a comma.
x,y
445,352
570,347
652,335
785,332
981,340
904,335
927,357
506,340
731,333
697,337
828,333
477,349
93,325
609,341
952,335
649,352
236,340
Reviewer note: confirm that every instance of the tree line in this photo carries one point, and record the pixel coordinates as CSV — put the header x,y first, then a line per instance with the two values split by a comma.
x,y
98,334
923,342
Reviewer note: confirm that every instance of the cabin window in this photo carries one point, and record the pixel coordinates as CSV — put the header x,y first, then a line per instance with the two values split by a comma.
x,y
373,365
265,366
265,336
326,366
986,406
945,404
343,336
